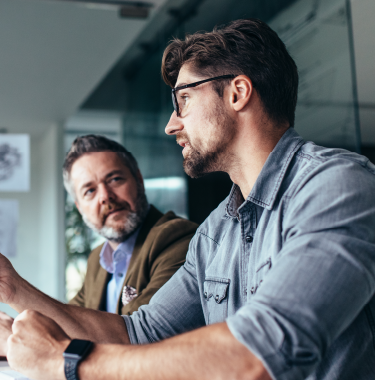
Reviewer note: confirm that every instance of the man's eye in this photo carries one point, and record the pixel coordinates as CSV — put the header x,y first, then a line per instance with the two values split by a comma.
x,y
184,98
115,179
88,192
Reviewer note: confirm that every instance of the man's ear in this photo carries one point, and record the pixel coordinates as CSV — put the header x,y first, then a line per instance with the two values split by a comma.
x,y
241,90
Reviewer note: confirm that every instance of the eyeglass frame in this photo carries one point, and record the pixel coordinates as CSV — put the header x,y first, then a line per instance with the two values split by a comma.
x,y
174,96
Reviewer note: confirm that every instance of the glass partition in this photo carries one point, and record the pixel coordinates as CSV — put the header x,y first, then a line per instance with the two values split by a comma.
x,y
318,36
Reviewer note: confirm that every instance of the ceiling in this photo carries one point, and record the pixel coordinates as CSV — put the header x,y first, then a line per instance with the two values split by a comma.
x,y
53,53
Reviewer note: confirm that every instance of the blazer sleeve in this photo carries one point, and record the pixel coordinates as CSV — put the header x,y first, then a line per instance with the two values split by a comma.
x,y
171,257
82,298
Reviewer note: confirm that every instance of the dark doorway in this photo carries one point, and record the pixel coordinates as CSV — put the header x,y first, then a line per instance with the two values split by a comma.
x,y
205,194
369,152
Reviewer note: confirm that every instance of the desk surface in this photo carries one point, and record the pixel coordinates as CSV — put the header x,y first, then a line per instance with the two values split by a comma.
x,y
4,366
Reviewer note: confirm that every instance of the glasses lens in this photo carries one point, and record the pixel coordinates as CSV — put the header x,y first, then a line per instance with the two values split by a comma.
x,y
175,105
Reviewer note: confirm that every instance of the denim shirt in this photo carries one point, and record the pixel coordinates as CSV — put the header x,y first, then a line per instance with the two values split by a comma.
x,y
291,269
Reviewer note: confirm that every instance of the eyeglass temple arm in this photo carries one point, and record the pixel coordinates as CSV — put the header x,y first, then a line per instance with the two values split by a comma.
x,y
202,81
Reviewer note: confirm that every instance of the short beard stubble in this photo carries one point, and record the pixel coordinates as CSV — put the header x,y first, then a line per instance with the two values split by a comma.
x,y
216,158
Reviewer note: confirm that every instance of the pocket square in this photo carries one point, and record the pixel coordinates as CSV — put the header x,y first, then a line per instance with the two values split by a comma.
x,y
128,294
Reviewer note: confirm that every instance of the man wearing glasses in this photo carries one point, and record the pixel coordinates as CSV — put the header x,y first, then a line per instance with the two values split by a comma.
x,y
278,282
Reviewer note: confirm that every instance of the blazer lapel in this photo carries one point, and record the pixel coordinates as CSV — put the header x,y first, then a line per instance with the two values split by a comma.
x,y
98,295
152,217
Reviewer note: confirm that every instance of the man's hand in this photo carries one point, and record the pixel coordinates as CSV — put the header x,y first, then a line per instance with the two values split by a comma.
x,y
8,280
5,331
36,347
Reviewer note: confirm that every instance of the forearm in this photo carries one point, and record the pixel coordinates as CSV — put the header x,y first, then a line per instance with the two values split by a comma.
x,y
77,322
207,353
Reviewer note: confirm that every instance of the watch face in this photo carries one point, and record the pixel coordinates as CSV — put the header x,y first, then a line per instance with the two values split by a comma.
x,y
77,347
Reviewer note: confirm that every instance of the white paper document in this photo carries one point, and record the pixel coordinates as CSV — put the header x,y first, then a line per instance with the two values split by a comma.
x,y
14,162
9,215
12,375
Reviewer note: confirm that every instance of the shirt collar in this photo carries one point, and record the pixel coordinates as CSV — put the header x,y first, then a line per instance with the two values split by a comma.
x,y
270,178
108,257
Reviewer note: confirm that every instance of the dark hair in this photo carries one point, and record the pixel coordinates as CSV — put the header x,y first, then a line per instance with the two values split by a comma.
x,y
248,47
95,143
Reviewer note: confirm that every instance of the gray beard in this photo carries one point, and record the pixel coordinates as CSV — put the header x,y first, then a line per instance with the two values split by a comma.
x,y
133,221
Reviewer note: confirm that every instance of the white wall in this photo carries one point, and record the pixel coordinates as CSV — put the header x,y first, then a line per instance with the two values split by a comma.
x,y
52,216
41,253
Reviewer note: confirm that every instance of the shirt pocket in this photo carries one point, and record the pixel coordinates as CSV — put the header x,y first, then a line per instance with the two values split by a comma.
x,y
216,298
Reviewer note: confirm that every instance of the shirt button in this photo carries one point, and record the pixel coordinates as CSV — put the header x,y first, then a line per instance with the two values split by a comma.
x,y
217,298
119,274
249,239
205,294
252,290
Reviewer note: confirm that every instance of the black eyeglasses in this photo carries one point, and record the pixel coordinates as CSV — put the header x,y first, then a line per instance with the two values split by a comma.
x,y
174,90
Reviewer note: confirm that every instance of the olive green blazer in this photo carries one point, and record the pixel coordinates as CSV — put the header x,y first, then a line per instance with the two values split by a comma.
x,y
160,250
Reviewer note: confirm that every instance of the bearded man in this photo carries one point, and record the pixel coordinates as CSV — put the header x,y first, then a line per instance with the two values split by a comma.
x,y
144,248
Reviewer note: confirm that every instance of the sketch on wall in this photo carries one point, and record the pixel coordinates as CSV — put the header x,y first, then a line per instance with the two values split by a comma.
x,y
9,215
14,162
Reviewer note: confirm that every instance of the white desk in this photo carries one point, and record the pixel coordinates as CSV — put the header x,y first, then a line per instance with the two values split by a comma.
x,y
4,367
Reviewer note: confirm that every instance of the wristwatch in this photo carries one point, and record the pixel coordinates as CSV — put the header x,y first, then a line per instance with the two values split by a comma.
x,y
76,351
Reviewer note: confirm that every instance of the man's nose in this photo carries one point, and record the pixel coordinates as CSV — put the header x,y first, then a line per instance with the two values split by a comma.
x,y
174,125
105,194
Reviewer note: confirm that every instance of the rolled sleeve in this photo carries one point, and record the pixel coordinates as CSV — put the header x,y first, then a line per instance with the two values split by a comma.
x,y
131,331
295,316
174,309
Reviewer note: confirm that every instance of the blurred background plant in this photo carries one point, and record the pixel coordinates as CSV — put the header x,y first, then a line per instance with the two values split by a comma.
x,y
79,242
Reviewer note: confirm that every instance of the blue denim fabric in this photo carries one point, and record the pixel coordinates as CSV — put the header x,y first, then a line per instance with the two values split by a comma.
x,y
291,269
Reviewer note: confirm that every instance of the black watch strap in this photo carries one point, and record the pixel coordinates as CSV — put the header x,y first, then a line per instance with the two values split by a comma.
x,y
76,351
70,369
